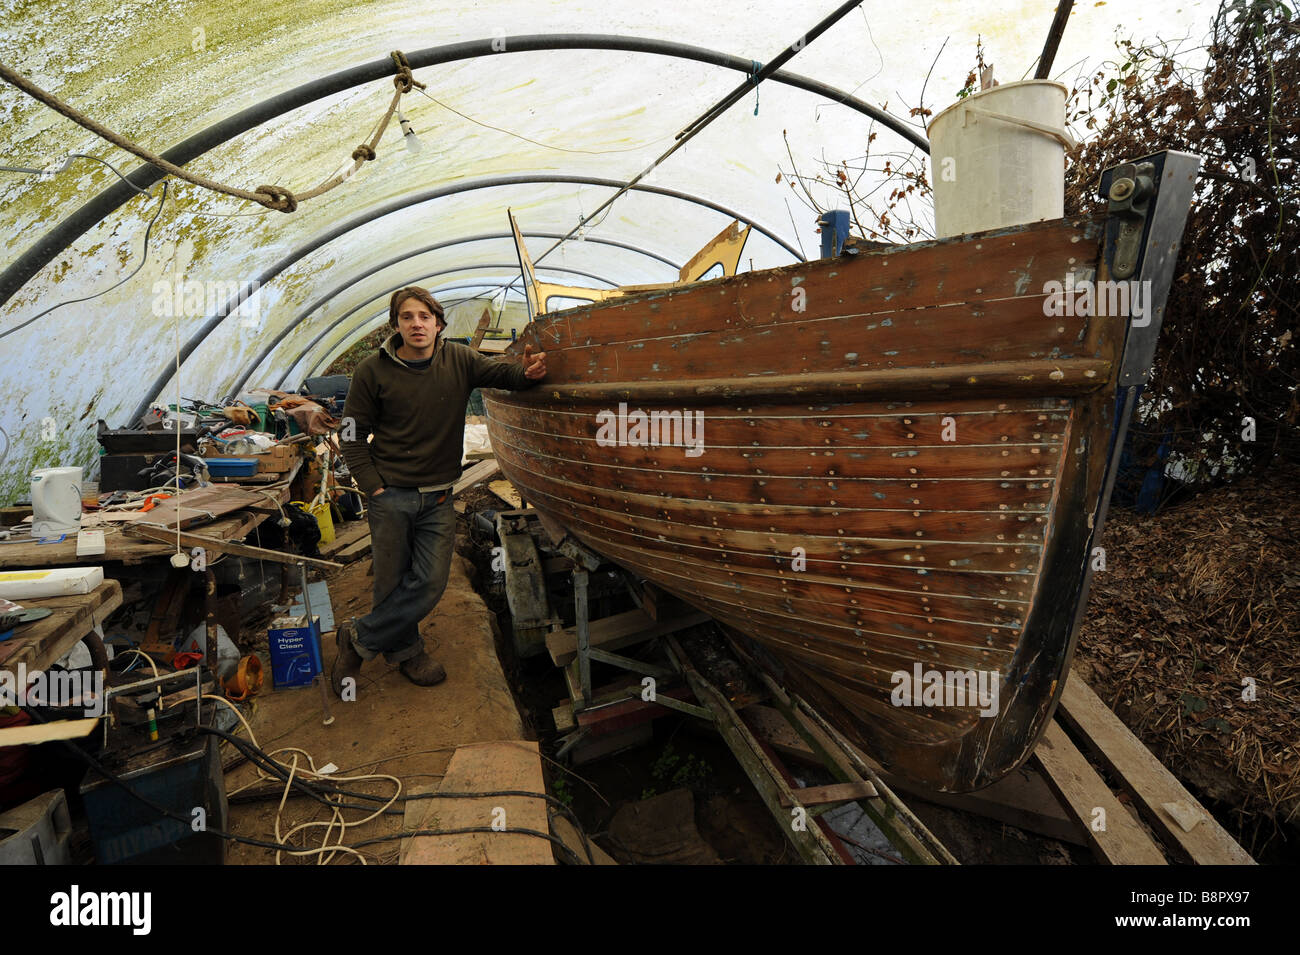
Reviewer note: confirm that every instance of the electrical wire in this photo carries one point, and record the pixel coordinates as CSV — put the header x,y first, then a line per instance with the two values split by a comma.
x,y
239,743
563,149
143,258
148,659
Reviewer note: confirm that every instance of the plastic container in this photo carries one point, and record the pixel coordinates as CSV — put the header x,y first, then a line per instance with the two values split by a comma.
x,y
295,651
231,467
320,509
998,158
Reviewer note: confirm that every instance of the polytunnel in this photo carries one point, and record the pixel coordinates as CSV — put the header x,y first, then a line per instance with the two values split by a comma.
x,y
526,382
546,110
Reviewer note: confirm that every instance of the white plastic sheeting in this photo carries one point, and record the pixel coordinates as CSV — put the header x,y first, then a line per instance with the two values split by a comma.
x,y
160,72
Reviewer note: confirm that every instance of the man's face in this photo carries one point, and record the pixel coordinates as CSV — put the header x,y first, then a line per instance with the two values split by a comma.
x,y
416,323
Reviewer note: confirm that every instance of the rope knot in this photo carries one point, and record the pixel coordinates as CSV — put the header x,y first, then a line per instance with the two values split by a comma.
x,y
277,197
404,80
364,151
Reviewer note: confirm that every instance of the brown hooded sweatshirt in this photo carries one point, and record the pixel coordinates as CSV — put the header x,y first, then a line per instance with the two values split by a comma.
x,y
417,415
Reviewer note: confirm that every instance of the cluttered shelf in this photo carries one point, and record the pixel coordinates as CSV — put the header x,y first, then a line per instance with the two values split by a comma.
x,y
226,467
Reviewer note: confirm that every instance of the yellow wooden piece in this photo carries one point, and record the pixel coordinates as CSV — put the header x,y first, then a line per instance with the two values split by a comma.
x,y
722,250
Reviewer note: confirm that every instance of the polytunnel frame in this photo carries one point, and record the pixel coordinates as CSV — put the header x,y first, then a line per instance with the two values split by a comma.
x,y
210,324
397,260
239,386
383,314
25,268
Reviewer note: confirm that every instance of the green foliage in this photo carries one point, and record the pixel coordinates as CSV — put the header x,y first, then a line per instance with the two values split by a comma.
x,y
347,362
672,769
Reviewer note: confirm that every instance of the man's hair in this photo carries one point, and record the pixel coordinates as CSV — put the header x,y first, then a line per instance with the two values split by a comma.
x,y
414,291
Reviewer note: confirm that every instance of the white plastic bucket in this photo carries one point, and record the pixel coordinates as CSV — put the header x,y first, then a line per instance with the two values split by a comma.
x,y
997,158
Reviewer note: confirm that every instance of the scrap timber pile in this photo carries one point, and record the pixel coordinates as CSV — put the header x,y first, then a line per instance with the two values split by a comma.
x,y
1197,612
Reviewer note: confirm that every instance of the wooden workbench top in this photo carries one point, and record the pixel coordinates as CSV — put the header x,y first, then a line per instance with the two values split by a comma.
x,y
121,547
41,643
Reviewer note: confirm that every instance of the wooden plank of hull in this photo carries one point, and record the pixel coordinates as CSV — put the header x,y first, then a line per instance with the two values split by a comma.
x,y
955,556
906,424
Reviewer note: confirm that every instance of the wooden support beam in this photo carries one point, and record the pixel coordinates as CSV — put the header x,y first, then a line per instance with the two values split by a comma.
x,y
619,630
483,471
1115,837
224,547
1022,799
808,840
832,795
1146,779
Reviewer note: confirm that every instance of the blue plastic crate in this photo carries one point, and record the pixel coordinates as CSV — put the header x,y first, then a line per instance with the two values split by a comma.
x,y
231,467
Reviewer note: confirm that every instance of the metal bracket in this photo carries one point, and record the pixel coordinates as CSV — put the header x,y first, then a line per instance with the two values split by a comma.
x,y
579,553
1149,201
1131,188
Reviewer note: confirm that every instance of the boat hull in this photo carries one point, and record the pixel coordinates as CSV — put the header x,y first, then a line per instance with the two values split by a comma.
x,y
884,469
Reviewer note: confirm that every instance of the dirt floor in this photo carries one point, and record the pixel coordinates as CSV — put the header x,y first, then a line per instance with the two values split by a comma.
x,y
393,727
1192,636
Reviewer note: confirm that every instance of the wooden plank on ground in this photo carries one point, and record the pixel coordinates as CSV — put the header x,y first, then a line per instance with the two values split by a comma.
x,y
480,767
1146,779
619,630
1122,841
350,535
413,817
828,795
354,551
483,471
565,830
506,491
1021,799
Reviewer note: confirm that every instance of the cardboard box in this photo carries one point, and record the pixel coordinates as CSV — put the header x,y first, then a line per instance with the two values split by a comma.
x,y
295,651
277,460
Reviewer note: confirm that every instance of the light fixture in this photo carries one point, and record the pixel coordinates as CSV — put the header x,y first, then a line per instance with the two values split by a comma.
x,y
412,141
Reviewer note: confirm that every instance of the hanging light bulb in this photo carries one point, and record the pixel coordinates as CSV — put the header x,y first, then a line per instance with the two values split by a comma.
x,y
412,141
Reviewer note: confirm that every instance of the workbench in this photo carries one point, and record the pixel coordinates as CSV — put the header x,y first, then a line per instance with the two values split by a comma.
x,y
43,642
119,546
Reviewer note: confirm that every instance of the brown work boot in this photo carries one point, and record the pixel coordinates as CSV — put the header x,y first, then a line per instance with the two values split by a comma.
x,y
423,670
348,662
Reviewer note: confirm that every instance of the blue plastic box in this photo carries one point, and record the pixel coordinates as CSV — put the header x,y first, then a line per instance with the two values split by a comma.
x,y
295,654
231,467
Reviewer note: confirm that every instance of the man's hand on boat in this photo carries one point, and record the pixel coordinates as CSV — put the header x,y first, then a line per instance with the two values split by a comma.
x,y
534,365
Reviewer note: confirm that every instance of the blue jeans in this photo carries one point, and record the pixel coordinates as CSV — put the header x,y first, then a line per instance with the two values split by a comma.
x,y
411,542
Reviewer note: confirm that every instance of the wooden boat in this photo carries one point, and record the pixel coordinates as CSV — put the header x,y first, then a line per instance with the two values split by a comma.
x,y
905,459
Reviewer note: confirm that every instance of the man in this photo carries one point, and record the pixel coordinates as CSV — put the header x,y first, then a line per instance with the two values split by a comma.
x,y
411,395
